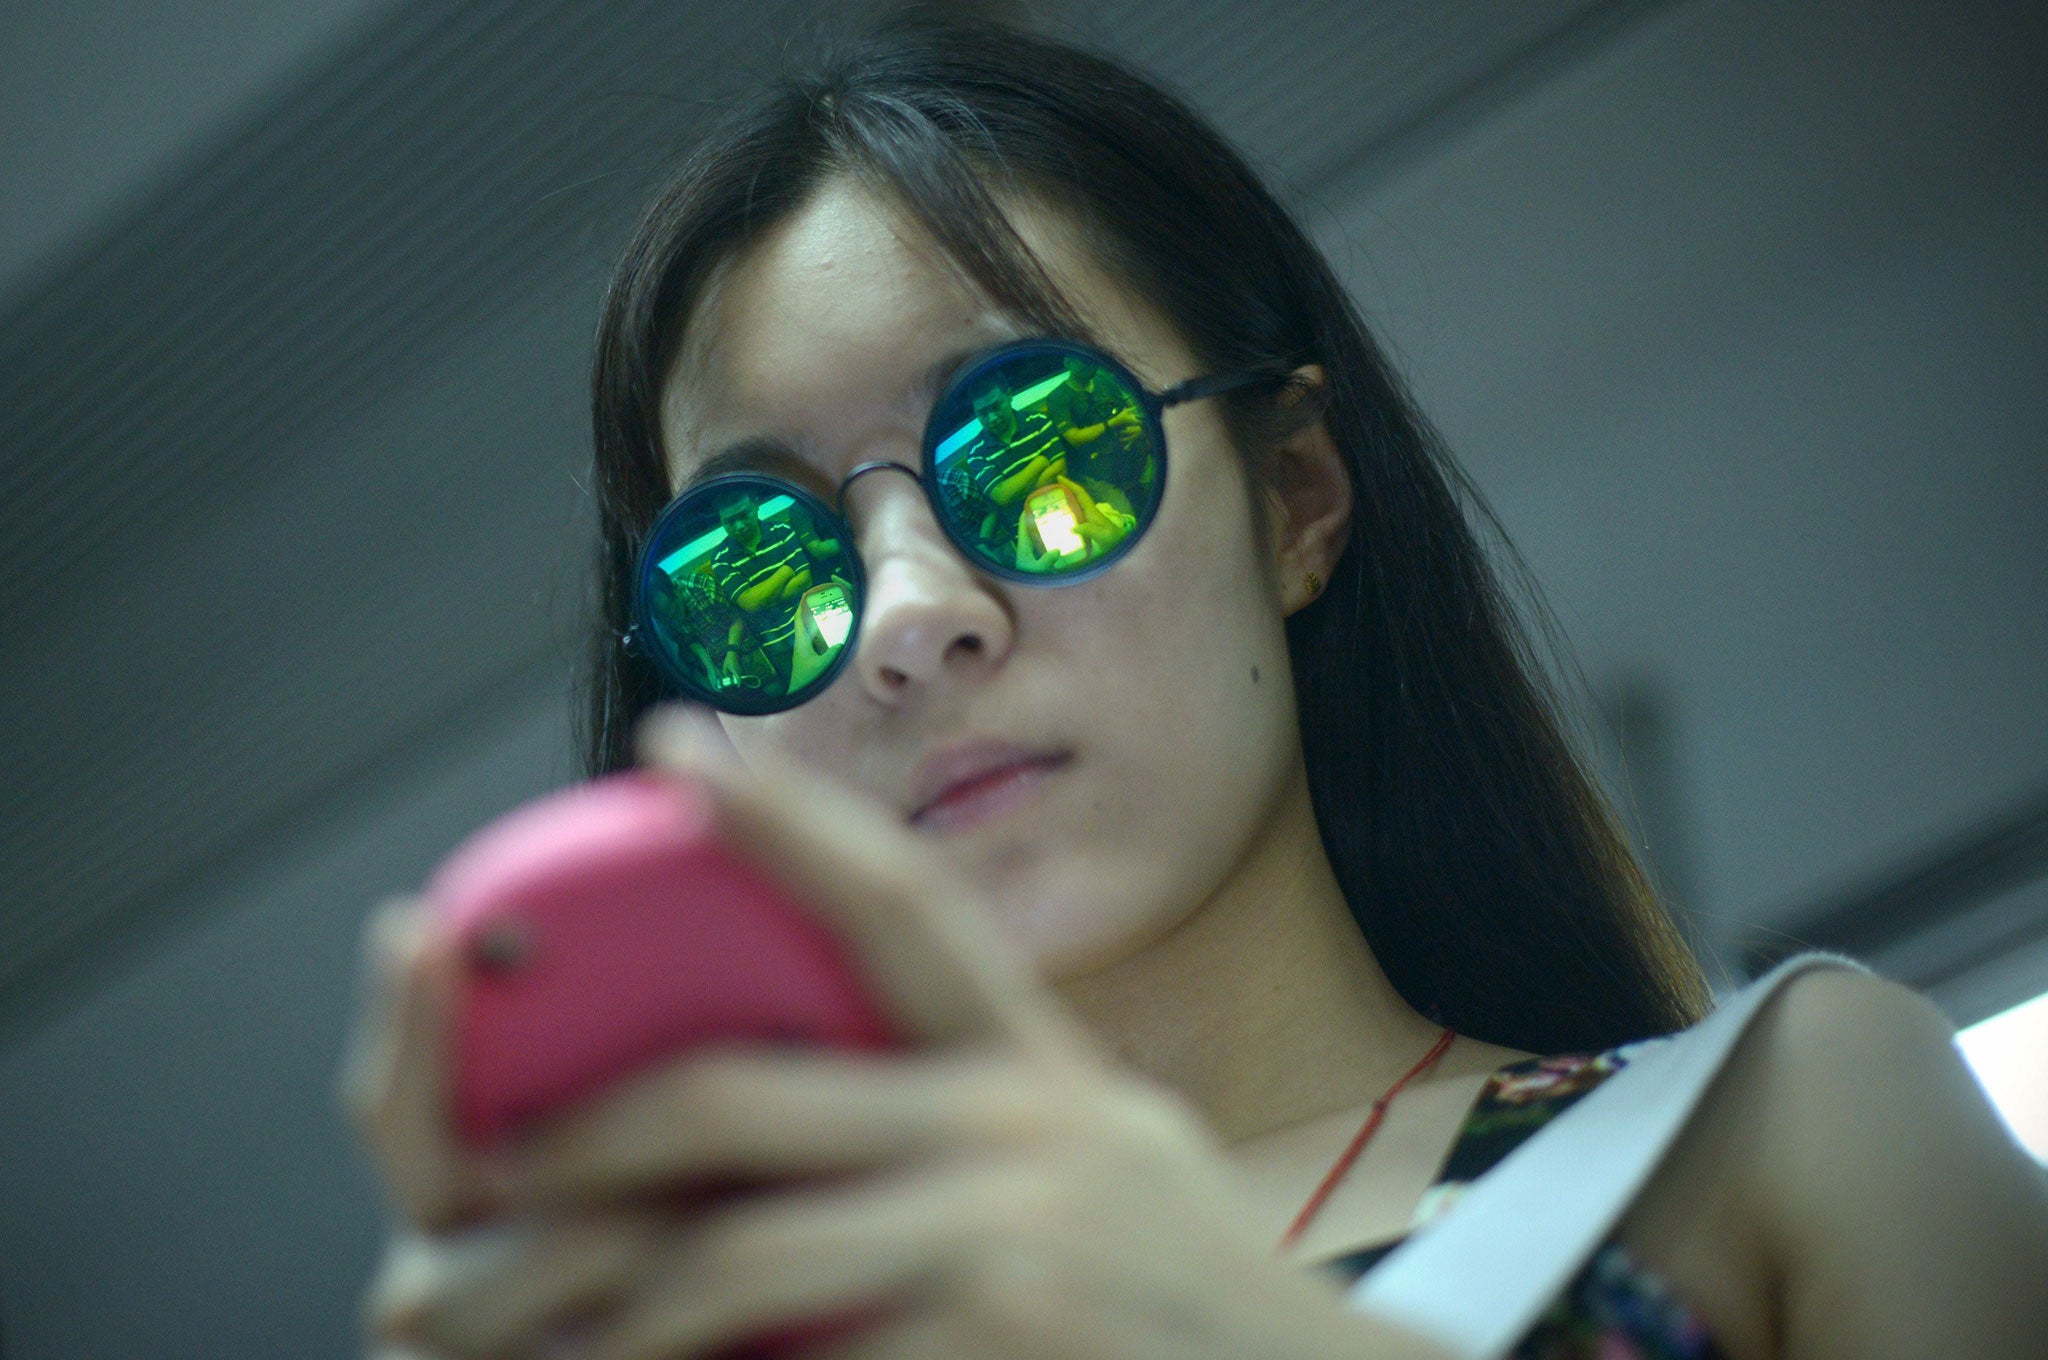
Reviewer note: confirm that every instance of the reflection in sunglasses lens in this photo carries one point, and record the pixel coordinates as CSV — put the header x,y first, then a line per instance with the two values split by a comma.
x,y
750,601
1046,462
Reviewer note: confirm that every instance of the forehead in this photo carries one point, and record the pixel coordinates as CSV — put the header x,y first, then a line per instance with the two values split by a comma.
x,y
824,319
828,332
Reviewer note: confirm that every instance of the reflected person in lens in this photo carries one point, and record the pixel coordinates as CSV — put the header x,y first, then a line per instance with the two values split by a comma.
x,y
1103,432
766,567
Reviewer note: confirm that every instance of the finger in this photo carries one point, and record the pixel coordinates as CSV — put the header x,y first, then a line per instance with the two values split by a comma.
x,y
393,1082
367,1052
498,1290
813,1259
722,1114
940,964
914,1335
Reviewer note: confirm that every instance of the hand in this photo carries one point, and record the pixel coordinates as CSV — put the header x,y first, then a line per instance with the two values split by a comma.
x,y
998,1190
1052,472
1102,525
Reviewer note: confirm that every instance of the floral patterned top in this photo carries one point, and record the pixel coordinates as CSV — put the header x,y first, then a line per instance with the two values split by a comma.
x,y
1614,1309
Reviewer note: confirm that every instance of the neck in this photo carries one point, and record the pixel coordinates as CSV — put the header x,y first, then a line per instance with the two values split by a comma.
x,y
1265,1007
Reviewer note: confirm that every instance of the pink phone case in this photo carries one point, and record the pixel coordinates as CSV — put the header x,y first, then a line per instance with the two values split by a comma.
x,y
604,928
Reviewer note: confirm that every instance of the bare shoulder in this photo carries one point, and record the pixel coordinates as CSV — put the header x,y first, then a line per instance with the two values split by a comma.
x,y
1824,1012
1835,1042
1848,1072
1896,1211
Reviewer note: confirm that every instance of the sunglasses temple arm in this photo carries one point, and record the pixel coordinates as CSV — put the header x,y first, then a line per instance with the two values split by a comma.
x,y
1194,389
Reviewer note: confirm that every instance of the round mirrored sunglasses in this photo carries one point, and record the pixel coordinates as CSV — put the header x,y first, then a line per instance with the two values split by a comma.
x,y
1044,462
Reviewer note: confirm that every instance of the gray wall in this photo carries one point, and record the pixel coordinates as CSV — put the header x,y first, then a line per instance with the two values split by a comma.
x,y
176,1182
1739,326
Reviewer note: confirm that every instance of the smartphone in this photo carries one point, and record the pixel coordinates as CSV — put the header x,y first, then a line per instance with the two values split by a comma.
x,y
605,928
1054,516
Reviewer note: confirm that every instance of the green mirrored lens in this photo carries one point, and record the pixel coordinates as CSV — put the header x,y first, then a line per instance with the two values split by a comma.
x,y
749,594
1046,461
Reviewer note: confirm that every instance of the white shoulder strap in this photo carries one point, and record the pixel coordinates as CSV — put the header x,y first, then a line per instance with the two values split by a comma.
x,y
1478,1278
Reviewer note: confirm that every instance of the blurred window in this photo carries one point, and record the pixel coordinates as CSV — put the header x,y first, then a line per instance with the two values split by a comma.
x,y
2009,1054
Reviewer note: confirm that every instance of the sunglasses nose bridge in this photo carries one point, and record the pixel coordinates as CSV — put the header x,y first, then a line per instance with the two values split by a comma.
x,y
893,516
863,469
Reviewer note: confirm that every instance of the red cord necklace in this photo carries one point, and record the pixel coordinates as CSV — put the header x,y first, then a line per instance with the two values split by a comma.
x,y
1358,1142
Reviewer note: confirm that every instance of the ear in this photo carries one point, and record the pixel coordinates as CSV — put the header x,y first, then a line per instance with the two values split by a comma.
x,y
1307,496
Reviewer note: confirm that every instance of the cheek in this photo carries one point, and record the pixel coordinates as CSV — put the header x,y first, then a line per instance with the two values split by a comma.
x,y
806,736
1188,756
1201,616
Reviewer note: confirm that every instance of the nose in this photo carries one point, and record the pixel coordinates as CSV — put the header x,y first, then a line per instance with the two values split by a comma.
x,y
930,620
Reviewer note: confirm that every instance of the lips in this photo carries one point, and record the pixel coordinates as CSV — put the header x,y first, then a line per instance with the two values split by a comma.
x,y
961,784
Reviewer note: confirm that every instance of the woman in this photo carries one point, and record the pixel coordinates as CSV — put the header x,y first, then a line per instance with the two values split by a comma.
x,y
1173,868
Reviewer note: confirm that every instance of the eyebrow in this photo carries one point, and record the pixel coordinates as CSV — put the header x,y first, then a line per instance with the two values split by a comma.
x,y
951,365
768,455
756,453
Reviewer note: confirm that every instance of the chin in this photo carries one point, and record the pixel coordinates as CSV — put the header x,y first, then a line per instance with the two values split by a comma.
x,y
1070,931
1069,898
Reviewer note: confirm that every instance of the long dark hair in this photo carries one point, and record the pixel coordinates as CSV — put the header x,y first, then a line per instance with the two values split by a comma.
x,y
1478,857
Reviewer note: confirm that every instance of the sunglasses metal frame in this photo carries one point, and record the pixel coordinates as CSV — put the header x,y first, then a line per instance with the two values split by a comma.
x,y
1153,404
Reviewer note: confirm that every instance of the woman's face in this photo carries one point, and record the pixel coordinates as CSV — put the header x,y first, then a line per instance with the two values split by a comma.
x,y
1099,757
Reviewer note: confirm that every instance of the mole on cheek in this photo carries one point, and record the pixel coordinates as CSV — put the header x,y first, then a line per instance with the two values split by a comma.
x,y
1255,675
